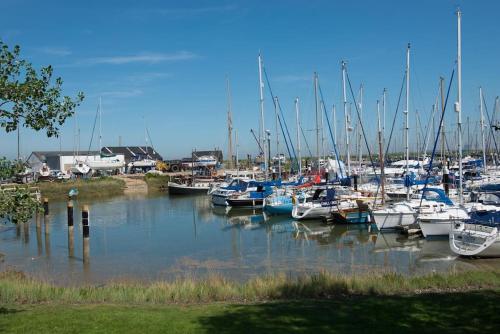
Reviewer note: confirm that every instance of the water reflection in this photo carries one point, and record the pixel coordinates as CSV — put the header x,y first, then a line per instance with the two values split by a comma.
x,y
160,237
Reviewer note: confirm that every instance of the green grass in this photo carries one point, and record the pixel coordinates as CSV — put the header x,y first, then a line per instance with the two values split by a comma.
x,y
471,312
17,288
321,303
91,188
156,182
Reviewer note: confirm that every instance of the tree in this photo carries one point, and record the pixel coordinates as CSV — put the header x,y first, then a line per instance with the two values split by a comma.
x,y
31,98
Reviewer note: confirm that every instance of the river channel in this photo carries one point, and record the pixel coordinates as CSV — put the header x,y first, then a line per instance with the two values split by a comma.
x,y
157,237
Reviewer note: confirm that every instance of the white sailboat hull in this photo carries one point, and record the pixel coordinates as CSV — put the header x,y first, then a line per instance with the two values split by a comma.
x,y
390,220
105,165
475,240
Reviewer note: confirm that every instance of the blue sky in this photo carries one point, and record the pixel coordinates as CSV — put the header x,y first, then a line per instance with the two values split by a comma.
x,y
166,62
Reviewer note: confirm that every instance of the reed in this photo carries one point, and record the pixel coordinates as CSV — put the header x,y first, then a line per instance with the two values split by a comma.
x,y
91,188
16,287
156,182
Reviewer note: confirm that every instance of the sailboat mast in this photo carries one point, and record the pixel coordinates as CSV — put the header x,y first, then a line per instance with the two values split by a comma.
x,y
360,134
262,129
346,119
459,103
237,158
407,121
298,134
229,125
482,126
334,119
277,134
100,123
380,154
317,118
384,96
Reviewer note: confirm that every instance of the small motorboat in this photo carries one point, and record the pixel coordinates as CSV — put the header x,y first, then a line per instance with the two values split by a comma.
x,y
250,199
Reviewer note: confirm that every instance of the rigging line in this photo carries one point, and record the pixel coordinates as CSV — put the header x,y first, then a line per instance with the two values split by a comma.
x,y
286,128
281,111
361,123
395,117
330,130
286,142
92,136
305,140
491,124
258,142
437,137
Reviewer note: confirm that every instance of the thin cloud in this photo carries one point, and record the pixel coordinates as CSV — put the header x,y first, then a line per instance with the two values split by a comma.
x,y
145,58
122,93
55,51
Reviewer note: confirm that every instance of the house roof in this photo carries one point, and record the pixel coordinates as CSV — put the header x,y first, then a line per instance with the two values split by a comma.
x,y
133,152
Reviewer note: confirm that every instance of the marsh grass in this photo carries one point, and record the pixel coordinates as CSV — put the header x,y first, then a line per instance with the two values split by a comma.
x,y
156,182
92,188
16,287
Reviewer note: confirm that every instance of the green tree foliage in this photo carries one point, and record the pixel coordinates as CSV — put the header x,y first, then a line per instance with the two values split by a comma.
x,y
9,168
29,97
18,204
32,99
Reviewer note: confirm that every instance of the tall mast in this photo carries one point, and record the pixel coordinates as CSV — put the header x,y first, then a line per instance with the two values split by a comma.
x,y
346,119
482,126
381,154
261,128
384,96
322,107
360,134
334,119
317,117
407,121
459,103
277,134
443,138
237,159
298,134
100,124
229,125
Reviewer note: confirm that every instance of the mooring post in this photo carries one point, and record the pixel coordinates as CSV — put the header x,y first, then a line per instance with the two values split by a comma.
x,y
85,230
71,239
45,206
46,223
355,177
38,233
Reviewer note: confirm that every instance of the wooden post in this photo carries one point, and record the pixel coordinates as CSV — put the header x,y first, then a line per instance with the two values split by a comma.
x,y
355,177
38,234
71,238
45,206
46,223
85,230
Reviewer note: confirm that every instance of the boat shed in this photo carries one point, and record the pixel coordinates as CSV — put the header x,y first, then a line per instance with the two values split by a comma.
x,y
132,153
59,160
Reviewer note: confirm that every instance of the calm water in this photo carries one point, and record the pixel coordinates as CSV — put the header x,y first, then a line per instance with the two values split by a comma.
x,y
162,237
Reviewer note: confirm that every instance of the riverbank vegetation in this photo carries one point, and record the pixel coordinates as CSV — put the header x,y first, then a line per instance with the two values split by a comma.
x,y
98,187
17,288
326,303
156,182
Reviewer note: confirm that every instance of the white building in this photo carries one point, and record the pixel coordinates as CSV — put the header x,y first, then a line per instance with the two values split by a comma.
x,y
63,160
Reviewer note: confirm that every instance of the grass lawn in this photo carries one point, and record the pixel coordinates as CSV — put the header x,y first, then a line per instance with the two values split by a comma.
x,y
471,312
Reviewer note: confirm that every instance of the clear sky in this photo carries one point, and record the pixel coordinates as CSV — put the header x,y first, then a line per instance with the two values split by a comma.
x,y
166,62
